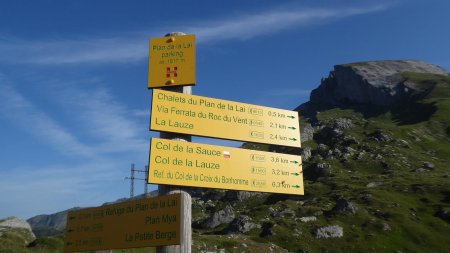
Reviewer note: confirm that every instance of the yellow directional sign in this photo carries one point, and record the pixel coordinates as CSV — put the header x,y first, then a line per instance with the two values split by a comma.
x,y
202,116
191,164
171,61
138,223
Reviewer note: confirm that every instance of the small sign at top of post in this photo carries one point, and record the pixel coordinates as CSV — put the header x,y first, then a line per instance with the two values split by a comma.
x,y
171,61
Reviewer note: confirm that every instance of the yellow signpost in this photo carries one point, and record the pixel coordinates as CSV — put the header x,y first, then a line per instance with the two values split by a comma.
x,y
132,224
202,116
191,164
171,61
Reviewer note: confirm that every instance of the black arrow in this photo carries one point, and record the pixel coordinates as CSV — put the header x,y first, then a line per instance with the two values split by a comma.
x,y
296,186
292,139
295,174
292,128
292,117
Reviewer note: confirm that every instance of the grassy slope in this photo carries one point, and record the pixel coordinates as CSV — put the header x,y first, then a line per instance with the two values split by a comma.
x,y
406,201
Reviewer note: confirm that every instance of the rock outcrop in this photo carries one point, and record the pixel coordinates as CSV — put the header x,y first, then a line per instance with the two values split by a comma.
x,y
218,218
20,228
330,232
243,224
375,83
344,206
48,225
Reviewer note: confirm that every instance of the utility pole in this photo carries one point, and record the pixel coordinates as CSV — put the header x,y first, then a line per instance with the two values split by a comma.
x,y
132,181
146,181
186,209
132,178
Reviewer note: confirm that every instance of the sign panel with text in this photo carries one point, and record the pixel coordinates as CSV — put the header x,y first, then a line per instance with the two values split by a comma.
x,y
138,223
171,61
203,116
199,165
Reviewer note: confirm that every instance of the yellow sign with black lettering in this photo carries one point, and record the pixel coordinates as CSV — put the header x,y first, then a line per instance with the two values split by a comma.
x,y
132,224
203,116
171,61
192,164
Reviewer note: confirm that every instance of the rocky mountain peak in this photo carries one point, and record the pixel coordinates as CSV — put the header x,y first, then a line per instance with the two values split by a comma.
x,y
384,73
13,222
373,83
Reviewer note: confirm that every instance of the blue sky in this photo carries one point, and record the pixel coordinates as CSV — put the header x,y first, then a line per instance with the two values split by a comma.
x,y
74,108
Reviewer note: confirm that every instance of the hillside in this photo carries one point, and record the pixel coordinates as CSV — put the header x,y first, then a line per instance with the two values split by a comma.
x,y
376,160
377,174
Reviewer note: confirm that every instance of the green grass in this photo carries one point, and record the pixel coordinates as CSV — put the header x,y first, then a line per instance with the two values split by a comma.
x,y
406,201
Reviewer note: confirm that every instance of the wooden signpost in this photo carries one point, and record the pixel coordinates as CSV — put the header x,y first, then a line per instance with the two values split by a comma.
x,y
138,223
178,115
175,162
175,84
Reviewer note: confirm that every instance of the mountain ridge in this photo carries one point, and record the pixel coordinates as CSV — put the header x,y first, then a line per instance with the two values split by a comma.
x,y
367,85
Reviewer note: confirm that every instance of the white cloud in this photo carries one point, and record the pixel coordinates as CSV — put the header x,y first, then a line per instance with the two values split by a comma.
x,y
132,47
105,119
29,191
98,174
250,26
141,113
19,110
98,50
